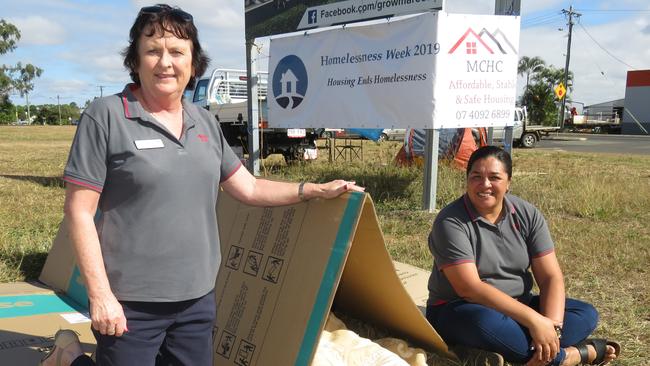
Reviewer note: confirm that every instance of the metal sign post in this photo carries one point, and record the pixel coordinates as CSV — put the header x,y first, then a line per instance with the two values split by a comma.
x,y
253,112
430,170
506,7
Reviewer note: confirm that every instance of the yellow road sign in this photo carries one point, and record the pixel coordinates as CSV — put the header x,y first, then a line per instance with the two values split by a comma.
x,y
560,91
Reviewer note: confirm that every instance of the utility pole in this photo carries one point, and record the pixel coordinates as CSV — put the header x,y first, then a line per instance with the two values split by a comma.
x,y
571,14
101,90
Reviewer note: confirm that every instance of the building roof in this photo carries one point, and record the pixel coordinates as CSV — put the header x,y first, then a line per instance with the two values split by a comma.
x,y
609,104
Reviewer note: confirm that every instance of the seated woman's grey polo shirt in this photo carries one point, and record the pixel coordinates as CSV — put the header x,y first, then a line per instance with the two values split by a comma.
x,y
158,227
502,252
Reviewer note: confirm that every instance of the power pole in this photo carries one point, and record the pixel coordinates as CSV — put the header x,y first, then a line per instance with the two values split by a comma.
x,y
101,90
571,14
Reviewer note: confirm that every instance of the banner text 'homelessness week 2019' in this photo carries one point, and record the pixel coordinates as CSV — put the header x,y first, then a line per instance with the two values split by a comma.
x,y
405,73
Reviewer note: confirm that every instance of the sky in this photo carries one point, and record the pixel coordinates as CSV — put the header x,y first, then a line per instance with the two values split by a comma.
x,y
78,42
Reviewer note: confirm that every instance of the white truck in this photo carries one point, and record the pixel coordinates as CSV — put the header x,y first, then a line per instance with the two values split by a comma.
x,y
524,134
224,94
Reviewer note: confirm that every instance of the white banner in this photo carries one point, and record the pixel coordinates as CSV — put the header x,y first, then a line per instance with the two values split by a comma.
x,y
476,84
355,10
402,74
366,77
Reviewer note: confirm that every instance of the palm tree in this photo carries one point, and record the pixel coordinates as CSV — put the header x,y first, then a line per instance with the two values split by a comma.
x,y
539,97
528,66
553,77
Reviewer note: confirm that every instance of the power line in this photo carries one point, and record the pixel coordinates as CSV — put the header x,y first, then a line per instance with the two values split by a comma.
x,y
615,10
604,49
541,20
570,13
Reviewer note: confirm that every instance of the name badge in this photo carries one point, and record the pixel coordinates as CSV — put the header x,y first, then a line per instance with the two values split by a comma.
x,y
149,144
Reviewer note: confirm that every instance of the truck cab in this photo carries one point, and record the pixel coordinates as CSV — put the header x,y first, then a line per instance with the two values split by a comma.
x,y
225,94
524,133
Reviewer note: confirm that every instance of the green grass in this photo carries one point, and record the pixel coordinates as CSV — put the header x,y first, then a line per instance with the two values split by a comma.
x,y
597,207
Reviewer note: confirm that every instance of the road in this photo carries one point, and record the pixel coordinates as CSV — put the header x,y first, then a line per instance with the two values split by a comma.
x,y
615,144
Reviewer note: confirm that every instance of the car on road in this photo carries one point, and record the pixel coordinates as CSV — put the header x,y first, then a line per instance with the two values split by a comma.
x,y
392,134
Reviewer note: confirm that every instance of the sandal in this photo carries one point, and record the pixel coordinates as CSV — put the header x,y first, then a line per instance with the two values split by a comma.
x,y
600,345
62,339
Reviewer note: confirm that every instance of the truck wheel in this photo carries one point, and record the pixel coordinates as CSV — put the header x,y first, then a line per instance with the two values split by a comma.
x,y
528,140
382,137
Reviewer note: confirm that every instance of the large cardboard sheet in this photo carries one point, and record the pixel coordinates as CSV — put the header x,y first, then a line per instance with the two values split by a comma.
x,y
285,267
282,270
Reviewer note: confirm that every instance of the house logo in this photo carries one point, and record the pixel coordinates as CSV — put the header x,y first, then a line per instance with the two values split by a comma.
x,y
484,42
311,17
290,82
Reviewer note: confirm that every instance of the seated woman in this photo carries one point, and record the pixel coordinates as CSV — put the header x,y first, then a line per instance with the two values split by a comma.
x,y
484,245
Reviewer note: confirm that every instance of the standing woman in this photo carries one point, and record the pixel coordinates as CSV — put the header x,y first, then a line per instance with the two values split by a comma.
x,y
484,245
153,163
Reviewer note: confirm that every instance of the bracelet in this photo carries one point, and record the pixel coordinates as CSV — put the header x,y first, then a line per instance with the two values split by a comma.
x,y
558,331
301,191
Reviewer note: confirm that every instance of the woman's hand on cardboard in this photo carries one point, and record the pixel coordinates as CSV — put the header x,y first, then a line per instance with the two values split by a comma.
x,y
331,189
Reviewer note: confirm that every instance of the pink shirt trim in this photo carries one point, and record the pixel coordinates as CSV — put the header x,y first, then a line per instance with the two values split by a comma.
x,y
83,184
462,261
546,252
231,172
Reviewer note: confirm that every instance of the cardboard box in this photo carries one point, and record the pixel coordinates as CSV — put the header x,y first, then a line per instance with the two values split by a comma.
x,y
282,270
30,315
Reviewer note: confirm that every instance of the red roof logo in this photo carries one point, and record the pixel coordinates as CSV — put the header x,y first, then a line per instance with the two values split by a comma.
x,y
484,41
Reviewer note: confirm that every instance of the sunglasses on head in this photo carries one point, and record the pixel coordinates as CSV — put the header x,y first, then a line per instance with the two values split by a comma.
x,y
157,9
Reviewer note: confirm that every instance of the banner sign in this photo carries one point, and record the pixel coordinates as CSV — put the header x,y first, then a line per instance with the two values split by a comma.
x,y
269,17
358,10
403,74
365,77
476,83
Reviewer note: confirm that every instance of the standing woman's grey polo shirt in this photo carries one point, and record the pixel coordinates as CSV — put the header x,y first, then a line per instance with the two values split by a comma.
x,y
158,228
502,252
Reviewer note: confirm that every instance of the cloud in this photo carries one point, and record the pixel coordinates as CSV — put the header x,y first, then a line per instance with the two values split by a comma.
x,y
530,7
469,6
37,30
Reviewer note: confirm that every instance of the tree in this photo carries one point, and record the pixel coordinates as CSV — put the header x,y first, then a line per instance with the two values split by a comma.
x,y
9,36
528,65
23,82
15,77
539,97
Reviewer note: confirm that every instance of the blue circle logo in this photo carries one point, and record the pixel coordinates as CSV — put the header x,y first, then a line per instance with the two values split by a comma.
x,y
290,82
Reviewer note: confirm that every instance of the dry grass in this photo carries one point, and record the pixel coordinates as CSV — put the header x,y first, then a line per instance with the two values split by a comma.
x,y
597,206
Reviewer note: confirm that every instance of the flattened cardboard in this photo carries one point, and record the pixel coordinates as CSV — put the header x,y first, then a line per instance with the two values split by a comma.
x,y
60,271
282,270
30,315
311,249
371,290
415,281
